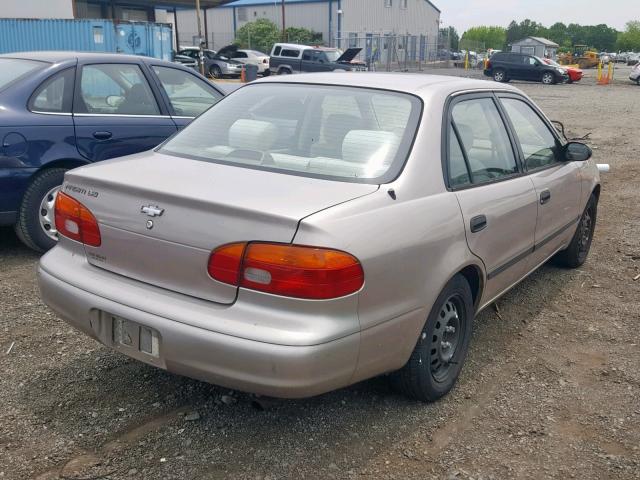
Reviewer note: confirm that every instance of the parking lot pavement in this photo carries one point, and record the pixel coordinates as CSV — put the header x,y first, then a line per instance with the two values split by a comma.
x,y
550,389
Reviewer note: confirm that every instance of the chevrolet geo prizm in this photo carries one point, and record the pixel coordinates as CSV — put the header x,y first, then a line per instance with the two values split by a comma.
x,y
311,232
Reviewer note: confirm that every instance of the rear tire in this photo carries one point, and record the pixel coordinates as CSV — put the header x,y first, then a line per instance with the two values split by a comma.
x,y
437,359
500,75
284,71
30,227
577,252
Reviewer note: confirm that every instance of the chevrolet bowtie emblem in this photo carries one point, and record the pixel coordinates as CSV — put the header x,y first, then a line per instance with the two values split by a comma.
x,y
152,211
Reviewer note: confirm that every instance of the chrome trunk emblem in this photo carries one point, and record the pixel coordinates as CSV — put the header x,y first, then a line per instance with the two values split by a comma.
x,y
152,211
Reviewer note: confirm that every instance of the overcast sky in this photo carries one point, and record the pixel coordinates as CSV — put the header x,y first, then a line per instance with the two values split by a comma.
x,y
463,14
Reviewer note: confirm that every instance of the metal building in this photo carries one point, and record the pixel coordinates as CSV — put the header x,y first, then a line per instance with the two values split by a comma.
x,y
340,22
538,46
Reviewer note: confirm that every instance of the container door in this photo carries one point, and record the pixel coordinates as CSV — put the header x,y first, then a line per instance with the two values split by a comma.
x,y
116,111
132,39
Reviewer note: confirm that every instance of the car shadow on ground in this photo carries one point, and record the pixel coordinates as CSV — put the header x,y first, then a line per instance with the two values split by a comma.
x,y
92,397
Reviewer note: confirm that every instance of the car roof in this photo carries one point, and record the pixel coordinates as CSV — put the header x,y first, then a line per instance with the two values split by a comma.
x,y
414,83
64,56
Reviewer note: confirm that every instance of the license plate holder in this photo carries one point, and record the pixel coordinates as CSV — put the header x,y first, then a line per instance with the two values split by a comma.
x,y
132,336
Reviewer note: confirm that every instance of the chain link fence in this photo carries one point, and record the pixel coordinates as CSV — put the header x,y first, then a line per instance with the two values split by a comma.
x,y
404,53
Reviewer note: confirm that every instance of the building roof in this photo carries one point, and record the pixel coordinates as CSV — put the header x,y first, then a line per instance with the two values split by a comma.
x,y
541,40
251,3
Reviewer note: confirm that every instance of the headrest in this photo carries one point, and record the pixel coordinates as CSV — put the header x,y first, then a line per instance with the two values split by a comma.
x,y
370,146
252,135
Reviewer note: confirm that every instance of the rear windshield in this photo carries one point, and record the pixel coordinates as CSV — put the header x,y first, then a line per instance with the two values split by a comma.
x,y
12,69
342,133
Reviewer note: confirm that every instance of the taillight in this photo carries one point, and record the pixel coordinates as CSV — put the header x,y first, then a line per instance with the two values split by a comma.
x,y
75,221
265,60
289,270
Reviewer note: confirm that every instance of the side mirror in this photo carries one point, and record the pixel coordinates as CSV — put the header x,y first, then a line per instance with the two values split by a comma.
x,y
577,152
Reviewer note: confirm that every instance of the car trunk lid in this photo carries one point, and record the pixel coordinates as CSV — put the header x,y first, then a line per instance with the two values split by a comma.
x,y
161,216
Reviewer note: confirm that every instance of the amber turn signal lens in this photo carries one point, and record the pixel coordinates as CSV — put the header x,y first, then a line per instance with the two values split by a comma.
x,y
290,270
75,221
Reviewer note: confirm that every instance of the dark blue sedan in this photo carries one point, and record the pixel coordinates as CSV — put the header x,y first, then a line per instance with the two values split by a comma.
x,y
61,110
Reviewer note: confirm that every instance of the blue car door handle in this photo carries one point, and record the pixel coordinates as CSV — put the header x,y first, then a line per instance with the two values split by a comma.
x,y
102,135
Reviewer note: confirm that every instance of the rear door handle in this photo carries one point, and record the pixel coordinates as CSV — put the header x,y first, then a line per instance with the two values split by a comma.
x,y
102,135
478,223
545,197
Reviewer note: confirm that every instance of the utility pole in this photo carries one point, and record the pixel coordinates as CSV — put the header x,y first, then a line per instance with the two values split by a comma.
x,y
284,26
201,59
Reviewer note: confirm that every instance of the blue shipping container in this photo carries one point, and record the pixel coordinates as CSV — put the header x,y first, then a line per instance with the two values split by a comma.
x,y
135,38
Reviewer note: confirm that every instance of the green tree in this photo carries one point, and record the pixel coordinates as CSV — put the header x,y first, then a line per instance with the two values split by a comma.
x,y
491,37
449,34
258,35
303,36
629,40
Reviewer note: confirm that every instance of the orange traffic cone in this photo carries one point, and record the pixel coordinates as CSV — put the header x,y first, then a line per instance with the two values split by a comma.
x,y
243,76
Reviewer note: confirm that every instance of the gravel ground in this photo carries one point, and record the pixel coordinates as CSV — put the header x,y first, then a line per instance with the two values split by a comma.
x,y
551,388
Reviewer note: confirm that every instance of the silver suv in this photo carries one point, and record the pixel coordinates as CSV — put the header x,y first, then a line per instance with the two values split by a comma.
x,y
303,235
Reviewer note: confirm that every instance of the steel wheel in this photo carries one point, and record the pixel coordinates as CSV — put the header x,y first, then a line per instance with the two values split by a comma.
x,y
47,219
448,331
585,233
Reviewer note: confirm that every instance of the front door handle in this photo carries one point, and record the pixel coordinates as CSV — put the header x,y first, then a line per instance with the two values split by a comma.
x,y
478,223
545,197
102,135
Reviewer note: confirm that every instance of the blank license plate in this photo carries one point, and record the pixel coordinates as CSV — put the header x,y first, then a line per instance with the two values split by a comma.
x,y
137,337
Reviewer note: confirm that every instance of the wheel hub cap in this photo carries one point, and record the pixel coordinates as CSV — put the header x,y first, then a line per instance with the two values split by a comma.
x,y
46,213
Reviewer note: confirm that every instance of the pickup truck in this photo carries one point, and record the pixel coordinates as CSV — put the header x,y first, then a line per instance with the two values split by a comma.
x,y
287,58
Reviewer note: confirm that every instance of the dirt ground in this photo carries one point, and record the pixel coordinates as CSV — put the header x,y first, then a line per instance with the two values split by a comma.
x,y
551,388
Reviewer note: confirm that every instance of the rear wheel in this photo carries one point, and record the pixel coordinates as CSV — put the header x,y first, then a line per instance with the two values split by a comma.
x,y
284,71
36,226
500,75
437,358
578,250
548,78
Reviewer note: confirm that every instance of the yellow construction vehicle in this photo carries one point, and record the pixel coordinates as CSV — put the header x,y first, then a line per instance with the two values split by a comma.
x,y
580,57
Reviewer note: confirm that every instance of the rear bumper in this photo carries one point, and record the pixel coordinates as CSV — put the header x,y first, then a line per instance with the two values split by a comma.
x,y
285,371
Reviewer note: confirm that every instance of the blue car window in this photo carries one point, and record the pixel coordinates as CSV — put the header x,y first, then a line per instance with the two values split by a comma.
x,y
189,96
54,94
117,89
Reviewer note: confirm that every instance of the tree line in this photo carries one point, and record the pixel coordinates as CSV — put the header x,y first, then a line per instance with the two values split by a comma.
x,y
599,37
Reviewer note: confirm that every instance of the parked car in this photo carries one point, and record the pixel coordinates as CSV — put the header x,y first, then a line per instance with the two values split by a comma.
x,y
218,66
186,61
120,104
635,74
247,57
633,59
304,235
287,58
506,66
575,74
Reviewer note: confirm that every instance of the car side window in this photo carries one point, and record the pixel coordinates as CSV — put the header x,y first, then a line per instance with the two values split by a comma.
x,y
117,89
538,144
189,96
459,174
306,55
240,55
55,93
290,53
484,140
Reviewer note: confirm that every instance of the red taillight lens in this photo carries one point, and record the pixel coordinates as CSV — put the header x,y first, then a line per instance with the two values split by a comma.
x,y
289,270
75,221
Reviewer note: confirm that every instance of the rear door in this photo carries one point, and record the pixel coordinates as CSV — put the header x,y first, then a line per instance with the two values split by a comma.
x,y
498,203
557,182
117,111
516,67
187,95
